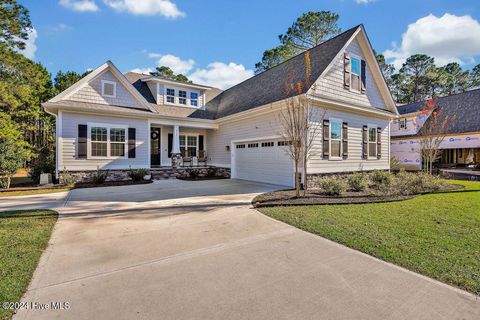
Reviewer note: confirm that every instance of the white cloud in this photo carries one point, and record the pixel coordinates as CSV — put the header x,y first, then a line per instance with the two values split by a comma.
x,y
142,70
175,63
154,55
30,46
448,38
79,5
221,75
164,8
61,27
363,1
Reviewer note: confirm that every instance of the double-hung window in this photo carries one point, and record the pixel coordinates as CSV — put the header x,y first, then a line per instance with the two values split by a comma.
x,y
355,74
117,142
107,141
182,97
188,146
170,95
194,99
99,138
372,142
335,139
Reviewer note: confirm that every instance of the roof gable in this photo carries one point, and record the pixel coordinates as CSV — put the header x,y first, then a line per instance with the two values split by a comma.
x,y
107,69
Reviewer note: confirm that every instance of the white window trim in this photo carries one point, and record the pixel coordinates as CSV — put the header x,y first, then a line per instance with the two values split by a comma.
x,y
191,135
108,126
114,88
176,98
356,57
336,120
372,126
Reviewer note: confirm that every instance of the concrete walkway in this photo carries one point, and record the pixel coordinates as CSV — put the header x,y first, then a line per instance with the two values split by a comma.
x,y
182,250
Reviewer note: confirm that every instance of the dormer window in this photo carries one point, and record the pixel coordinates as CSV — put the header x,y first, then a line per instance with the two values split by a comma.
x,y
182,97
194,99
170,95
109,89
354,73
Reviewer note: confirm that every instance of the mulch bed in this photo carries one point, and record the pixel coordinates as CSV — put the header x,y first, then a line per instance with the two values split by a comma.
x,y
81,185
201,178
316,197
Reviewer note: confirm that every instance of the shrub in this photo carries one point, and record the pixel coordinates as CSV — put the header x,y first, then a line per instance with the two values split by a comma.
x,y
358,182
333,186
407,183
212,172
193,173
43,163
381,178
67,178
138,174
99,177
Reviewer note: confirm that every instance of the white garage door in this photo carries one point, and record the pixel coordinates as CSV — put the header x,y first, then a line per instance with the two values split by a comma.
x,y
263,161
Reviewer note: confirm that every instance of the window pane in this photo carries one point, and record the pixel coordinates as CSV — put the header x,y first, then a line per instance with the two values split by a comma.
x,y
355,84
170,92
117,135
170,99
335,148
194,103
372,149
336,130
99,134
192,151
372,134
99,149
182,93
355,66
193,95
192,141
117,149
182,100
182,140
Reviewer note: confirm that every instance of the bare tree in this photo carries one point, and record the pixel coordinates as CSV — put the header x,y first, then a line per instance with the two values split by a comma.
x,y
433,132
301,123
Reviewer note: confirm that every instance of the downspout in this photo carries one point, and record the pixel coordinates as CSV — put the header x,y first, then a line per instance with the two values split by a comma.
x,y
56,140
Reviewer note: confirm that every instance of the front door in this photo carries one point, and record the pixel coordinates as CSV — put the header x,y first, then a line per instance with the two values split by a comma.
x,y
155,147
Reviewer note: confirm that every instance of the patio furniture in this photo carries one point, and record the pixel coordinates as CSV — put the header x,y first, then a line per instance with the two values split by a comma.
x,y
202,158
186,160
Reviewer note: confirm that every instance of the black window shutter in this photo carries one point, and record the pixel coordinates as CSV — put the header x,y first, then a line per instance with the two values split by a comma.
x,y
170,144
379,143
345,140
346,71
365,142
82,141
326,139
364,76
131,143
201,143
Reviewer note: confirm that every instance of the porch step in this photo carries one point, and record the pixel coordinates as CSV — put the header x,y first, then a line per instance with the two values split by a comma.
x,y
170,173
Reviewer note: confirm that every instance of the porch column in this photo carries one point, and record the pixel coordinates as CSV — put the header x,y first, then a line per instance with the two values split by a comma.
x,y
176,156
176,140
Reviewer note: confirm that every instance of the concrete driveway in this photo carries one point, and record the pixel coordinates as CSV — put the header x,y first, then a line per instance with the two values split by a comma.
x,y
181,250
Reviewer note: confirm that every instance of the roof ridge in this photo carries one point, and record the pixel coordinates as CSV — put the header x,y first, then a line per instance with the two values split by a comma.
x,y
291,58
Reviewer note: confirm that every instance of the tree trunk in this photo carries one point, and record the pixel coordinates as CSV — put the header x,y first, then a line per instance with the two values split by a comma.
x,y
297,182
8,182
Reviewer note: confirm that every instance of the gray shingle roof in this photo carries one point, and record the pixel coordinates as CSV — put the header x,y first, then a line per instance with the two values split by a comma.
x,y
271,85
267,87
463,108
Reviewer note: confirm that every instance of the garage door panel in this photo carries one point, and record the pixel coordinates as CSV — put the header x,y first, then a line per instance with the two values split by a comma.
x,y
264,164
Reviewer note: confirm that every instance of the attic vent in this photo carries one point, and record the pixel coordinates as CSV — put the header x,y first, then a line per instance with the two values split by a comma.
x,y
109,88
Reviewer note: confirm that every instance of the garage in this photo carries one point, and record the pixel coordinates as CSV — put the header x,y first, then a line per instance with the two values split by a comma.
x,y
263,161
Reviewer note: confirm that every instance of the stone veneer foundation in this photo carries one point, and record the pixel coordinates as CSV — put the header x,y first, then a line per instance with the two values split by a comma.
x,y
157,174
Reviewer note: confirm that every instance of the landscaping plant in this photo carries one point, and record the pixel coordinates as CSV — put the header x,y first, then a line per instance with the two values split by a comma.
x,y
358,182
138,174
381,178
99,177
193,173
333,186
67,178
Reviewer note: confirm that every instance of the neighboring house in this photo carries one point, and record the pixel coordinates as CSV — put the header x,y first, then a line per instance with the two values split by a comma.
x,y
116,121
461,144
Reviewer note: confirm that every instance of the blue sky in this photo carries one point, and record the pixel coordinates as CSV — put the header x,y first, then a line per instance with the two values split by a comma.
x,y
218,42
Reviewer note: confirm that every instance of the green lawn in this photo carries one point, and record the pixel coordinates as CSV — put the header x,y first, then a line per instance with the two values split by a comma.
x,y
437,235
23,237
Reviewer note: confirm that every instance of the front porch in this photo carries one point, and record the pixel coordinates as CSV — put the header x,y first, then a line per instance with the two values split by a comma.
x,y
178,146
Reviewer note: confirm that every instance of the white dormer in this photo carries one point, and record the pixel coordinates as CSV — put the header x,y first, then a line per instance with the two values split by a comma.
x,y
174,93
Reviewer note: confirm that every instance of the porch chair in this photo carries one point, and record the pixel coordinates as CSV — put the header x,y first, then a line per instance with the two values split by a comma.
x,y
202,157
187,159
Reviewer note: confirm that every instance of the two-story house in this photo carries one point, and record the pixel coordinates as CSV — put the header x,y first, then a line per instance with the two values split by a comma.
x,y
459,142
116,121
